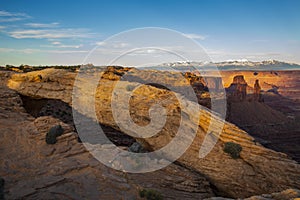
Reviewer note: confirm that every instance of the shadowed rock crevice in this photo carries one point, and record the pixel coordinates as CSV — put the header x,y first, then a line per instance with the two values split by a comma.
x,y
48,107
63,111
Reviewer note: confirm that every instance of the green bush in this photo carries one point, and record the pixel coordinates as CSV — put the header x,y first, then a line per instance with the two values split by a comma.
x,y
54,132
150,194
130,87
233,149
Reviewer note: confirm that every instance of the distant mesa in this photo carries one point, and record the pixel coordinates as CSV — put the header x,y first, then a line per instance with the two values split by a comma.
x,y
239,89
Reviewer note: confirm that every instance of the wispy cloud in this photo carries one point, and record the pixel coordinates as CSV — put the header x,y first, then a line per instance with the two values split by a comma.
x,y
30,51
65,51
115,44
61,39
11,14
11,19
69,46
6,16
228,53
57,44
41,25
34,30
9,50
50,33
195,36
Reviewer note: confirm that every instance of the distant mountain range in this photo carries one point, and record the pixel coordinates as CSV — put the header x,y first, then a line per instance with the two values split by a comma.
x,y
232,65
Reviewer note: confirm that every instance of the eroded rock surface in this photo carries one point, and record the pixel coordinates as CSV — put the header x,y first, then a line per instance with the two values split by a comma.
x,y
283,195
33,169
258,170
238,88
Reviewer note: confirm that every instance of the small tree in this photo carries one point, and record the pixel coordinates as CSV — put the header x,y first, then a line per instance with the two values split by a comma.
x,y
150,194
130,87
54,132
233,149
21,67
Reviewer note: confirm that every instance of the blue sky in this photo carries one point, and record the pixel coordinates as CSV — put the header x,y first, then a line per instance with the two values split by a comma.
x,y
62,32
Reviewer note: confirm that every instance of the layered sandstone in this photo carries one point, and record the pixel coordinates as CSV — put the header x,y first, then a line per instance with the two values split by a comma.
x,y
258,170
283,195
32,169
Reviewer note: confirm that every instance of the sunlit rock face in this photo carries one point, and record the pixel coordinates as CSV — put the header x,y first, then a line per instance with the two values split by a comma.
x,y
32,169
285,83
238,88
258,170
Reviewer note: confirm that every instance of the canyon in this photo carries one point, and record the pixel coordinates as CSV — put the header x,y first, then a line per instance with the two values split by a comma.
x,y
33,102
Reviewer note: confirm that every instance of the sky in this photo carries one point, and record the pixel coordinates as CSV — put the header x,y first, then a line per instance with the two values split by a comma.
x,y
44,32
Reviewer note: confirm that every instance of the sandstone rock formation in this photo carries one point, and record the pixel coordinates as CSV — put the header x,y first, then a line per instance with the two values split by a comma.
x,y
238,88
283,195
257,88
288,194
257,171
286,81
272,118
33,169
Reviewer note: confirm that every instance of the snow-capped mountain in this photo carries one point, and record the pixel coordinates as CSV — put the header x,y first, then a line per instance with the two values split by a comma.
x,y
242,64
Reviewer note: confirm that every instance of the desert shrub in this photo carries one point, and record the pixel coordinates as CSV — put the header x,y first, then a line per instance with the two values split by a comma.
x,y
233,149
54,132
130,87
136,148
150,194
21,67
